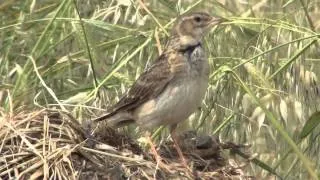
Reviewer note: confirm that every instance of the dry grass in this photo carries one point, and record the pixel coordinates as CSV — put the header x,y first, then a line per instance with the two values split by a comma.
x,y
49,144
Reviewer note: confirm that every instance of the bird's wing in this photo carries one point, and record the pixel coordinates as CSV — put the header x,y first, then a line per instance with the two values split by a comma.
x,y
148,86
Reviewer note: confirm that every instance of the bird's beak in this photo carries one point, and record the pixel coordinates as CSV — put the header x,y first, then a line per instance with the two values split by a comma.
x,y
216,20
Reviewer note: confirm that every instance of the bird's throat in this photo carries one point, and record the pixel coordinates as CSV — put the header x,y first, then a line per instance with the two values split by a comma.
x,y
188,41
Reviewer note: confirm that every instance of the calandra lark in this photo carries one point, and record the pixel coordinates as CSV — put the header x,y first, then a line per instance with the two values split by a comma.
x,y
172,88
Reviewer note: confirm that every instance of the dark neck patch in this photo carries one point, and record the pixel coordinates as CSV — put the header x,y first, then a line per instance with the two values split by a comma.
x,y
189,49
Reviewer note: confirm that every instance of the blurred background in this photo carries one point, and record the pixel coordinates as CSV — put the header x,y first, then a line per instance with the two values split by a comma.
x,y
81,56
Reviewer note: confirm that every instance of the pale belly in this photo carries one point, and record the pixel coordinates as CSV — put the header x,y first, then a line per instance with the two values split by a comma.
x,y
178,101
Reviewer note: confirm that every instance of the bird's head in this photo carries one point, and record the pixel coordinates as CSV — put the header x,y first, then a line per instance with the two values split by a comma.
x,y
191,28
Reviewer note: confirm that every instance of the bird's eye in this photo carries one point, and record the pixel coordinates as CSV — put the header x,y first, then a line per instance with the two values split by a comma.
x,y
197,19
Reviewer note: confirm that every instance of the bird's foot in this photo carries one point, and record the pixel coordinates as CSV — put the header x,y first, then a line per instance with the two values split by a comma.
x,y
158,158
180,153
183,160
162,165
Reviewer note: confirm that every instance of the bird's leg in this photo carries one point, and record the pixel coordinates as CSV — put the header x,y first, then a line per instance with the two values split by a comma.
x,y
156,154
176,145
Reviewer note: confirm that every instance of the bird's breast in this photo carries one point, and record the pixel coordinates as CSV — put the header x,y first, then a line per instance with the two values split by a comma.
x,y
198,62
176,103
192,62
183,94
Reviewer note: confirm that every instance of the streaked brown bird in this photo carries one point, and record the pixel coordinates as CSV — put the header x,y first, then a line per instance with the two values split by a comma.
x,y
172,88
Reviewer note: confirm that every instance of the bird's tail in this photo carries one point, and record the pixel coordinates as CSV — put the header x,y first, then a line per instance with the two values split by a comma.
x,y
113,120
117,119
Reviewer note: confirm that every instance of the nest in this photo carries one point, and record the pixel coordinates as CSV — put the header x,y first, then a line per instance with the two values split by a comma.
x,y
52,144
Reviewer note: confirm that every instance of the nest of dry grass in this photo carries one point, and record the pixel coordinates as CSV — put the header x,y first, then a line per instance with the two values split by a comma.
x,y
49,144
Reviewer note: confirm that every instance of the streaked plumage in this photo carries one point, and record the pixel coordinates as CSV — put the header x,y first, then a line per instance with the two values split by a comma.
x,y
174,85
